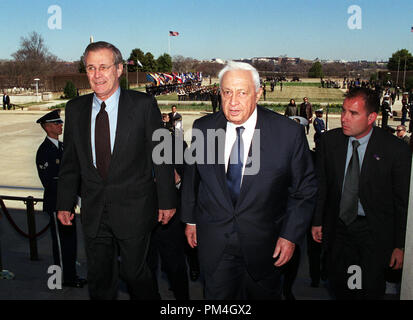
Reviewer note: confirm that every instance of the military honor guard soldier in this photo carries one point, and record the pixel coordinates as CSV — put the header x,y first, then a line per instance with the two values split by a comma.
x,y
48,160
319,126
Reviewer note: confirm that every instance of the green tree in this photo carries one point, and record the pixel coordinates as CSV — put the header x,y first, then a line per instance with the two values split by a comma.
x,y
149,63
316,70
136,55
70,90
398,59
81,67
164,63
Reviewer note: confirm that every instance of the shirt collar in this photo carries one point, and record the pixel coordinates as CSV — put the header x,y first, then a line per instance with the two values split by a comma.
x,y
55,141
363,140
110,102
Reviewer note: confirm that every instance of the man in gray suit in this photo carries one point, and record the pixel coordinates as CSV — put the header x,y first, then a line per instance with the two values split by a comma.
x,y
108,155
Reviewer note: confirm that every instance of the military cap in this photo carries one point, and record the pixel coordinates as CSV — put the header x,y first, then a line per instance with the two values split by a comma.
x,y
319,111
52,116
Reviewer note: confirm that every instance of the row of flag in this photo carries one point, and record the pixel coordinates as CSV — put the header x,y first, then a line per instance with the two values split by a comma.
x,y
160,78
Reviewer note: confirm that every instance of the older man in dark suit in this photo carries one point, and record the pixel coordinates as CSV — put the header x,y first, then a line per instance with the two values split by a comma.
x,y
108,155
246,216
363,174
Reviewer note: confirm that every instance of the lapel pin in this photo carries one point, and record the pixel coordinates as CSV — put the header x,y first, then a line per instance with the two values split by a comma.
x,y
376,157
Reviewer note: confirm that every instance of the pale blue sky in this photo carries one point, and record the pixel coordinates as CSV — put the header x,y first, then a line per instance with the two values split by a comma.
x,y
227,29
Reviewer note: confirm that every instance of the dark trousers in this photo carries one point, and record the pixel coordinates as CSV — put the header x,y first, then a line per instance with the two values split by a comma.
x,y
290,272
411,122
108,256
231,280
404,118
168,242
64,246
316,260
384,120
354,246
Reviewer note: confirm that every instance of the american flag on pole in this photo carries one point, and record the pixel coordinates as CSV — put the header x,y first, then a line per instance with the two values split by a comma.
x,y
173,33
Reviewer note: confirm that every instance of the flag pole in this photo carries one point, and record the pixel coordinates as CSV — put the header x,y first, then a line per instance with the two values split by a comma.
x,y
169,44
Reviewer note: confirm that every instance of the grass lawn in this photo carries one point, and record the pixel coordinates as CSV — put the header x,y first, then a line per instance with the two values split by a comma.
x,y
314,94
293,90
295,84
170,97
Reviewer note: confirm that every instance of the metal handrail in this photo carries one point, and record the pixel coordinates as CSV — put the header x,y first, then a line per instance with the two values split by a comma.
x,y
31,223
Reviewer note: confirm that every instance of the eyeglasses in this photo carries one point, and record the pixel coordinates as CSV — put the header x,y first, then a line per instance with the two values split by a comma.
x,y
102,68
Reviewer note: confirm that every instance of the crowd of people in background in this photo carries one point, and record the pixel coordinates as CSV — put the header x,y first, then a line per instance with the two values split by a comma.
x,y
188,91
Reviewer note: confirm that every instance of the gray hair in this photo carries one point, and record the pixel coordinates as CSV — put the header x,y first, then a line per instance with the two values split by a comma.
x,y
232,65
95,46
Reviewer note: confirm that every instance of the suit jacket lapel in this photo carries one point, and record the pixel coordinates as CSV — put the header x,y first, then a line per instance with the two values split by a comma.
x,y
248,180
124,122
369,155
84,128
221,123
340,155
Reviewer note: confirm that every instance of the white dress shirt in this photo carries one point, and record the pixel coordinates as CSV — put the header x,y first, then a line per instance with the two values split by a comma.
x,y
231,136
112,104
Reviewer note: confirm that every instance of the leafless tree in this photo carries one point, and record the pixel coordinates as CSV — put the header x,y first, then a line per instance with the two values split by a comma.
x,y
33,59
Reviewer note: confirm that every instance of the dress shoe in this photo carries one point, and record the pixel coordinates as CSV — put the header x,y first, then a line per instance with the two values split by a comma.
x,y
77,283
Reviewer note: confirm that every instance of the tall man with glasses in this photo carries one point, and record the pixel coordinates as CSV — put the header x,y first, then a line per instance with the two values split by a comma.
x,y
363,173
108,157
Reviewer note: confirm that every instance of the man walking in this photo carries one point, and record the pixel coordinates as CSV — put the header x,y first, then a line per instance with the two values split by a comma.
x,y
108,157
246,216
363,173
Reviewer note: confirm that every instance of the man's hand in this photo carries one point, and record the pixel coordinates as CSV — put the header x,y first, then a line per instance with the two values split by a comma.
x,y
284,249
65,217
165,215
396,260
317,234
190,232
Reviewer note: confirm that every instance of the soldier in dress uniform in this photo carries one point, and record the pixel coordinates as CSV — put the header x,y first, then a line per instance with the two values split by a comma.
x,y
319,125
48,157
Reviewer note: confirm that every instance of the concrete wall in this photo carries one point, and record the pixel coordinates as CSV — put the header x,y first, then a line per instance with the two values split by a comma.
x,y
23,99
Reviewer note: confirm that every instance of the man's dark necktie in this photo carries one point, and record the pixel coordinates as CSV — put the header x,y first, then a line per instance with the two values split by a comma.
x,y
102,141
350,194
235,163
